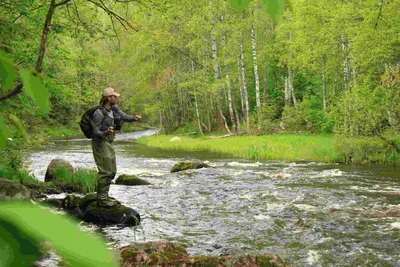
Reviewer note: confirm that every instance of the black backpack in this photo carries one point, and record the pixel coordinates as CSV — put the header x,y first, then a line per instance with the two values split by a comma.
x,y
87,126
86,122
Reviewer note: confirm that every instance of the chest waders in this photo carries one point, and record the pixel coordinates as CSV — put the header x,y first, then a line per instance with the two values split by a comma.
x,y
104,156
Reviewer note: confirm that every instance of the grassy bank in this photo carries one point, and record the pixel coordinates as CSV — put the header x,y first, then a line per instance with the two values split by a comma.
x,y
285,147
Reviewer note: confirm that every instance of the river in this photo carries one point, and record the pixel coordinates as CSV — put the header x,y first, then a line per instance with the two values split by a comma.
x,y
310,214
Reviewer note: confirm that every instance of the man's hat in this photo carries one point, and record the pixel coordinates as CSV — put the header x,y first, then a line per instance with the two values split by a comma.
x,y
109,92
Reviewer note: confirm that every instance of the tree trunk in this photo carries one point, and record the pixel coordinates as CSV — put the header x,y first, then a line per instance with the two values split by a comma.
x,y
324,81
244,86
346,69
291,87
287,91
46,29
220,115
196,107
256,77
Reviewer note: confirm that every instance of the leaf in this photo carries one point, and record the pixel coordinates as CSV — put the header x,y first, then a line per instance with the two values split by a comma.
x,y
7,73
4,133
36,90
17,123
34,224
273,7
240,5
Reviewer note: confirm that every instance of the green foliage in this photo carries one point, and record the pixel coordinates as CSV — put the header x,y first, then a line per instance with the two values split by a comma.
x,y
23,226
87,180
22,176
363,150
7,73
36,90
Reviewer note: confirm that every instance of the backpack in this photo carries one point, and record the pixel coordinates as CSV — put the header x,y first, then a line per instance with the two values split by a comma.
x,y
86,122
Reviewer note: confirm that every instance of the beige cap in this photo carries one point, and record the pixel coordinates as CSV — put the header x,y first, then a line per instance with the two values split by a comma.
x,y
109,92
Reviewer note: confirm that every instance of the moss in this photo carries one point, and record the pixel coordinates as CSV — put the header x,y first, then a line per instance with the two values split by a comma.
x,y
187,165
130,180
11,190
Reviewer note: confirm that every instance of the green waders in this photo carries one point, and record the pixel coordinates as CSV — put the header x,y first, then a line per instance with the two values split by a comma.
x,y
104,156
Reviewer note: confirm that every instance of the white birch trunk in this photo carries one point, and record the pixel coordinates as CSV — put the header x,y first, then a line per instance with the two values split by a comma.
x,y
196,107
256,77
346,70
287,91
291,87
324,81
244,84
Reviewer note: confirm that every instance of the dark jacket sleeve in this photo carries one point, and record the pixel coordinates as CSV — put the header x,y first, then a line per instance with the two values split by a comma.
x,y
97,123
124,117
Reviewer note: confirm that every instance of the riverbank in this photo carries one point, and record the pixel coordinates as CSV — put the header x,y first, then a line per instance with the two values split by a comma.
x,y
317,148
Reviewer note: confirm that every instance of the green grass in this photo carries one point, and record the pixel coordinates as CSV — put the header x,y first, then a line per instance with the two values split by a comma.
x,y
85,179
6,171
272,147
318,148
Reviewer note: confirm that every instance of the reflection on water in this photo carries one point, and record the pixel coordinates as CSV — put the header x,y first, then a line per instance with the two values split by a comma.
x,y
310,214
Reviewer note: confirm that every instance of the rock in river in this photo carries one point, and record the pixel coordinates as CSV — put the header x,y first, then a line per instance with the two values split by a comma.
x,y
186,165
165,253
55,165
130,180
86,209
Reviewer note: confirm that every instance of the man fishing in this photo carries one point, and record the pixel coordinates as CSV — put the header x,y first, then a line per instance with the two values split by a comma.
x,y
104,120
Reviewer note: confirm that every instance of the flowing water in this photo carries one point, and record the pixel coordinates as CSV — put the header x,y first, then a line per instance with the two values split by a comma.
x,y
310,214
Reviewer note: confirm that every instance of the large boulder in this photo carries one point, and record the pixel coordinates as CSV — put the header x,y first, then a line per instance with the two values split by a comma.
x,y
186,165
86,209
12,190
130,180
165,253
57,164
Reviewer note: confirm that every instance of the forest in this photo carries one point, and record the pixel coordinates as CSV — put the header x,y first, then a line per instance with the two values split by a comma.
x,y
315,67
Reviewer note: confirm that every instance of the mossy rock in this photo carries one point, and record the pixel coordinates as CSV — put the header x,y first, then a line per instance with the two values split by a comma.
x,y
187,165
130,180
119,214
55,165
165,253
157,253
12,190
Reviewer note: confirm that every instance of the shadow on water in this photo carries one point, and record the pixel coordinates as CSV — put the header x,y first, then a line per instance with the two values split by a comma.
x,y
310,214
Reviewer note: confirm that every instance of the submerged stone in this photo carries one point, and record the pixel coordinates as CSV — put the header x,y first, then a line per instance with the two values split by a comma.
x,y
186,165
86,209
12,190
55,165
130,180
119,214
165,253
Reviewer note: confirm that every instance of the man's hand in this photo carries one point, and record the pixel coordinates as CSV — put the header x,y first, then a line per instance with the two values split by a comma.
x,y
110,131
138,117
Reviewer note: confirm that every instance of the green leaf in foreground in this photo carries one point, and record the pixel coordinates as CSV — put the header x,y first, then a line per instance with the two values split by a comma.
x,y
273,7
29,224
4,133
7,72
36,90
240,5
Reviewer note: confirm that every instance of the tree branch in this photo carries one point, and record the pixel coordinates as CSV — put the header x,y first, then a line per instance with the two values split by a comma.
x,y
15,91
121,20
61,3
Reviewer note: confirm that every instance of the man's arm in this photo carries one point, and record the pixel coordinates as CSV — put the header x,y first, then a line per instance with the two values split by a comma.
x,y
126,117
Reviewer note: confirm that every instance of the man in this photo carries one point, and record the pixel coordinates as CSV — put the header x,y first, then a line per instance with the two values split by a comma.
x,y
103,136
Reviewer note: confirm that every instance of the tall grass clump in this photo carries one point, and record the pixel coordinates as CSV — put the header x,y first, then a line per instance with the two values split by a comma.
x,y
367,150
21,176
86,180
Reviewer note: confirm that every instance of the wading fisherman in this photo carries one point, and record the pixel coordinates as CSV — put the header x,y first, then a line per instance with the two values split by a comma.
x,y
104,121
